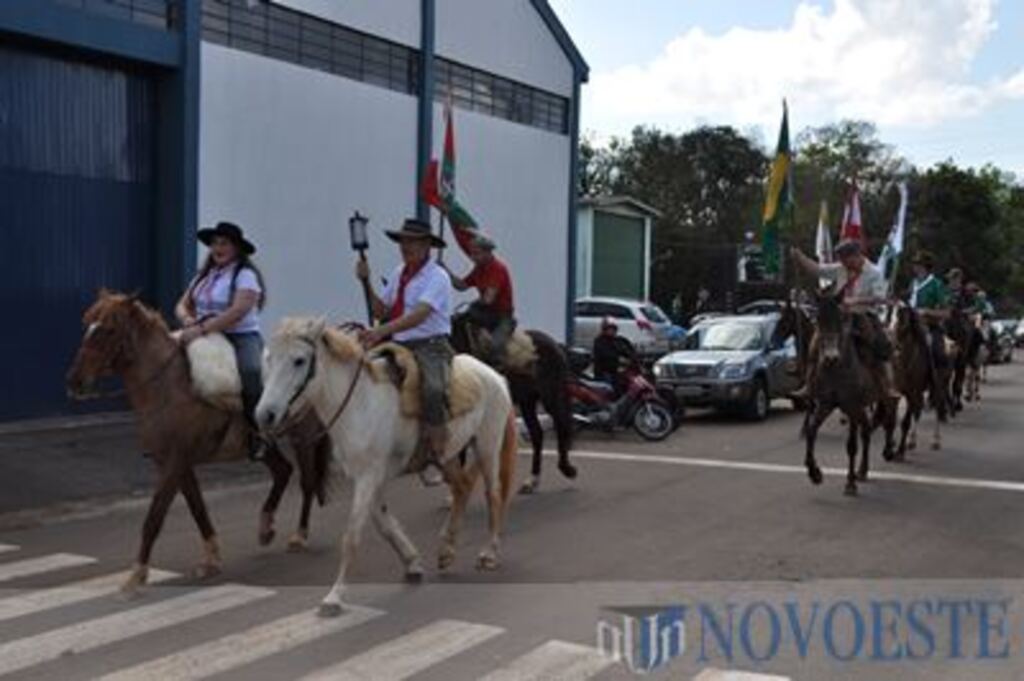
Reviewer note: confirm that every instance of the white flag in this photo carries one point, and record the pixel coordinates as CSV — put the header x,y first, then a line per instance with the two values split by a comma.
x,y
897,236
823,242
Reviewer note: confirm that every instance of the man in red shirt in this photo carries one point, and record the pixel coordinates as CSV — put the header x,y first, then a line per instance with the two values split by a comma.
x,y
494,309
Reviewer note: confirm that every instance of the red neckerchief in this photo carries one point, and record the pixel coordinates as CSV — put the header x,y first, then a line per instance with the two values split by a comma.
x,y
408,272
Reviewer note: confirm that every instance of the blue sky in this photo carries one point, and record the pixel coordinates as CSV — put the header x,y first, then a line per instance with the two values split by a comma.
x,y
941,78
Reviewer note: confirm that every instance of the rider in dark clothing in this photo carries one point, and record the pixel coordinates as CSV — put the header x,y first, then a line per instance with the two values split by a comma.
x,y
610,350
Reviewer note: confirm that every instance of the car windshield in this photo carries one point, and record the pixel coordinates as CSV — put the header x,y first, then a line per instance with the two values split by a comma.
x,y
654,315
728,336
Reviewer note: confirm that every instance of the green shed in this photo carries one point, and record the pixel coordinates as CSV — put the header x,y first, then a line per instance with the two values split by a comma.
x,y
613,248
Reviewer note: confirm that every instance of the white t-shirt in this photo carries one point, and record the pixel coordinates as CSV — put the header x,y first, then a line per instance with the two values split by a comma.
x,y
870,283
431,285
212,296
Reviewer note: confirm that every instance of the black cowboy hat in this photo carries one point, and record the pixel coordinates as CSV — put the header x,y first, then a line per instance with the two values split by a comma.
x,y
228,230
925,259
415,229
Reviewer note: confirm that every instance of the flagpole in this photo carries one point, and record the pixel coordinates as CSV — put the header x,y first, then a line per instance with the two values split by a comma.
x,y
440,231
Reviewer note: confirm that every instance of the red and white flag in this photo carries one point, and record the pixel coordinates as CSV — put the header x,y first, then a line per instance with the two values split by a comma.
x,y
852,229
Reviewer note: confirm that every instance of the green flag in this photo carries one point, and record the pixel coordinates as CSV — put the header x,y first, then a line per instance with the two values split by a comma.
x,y
778,205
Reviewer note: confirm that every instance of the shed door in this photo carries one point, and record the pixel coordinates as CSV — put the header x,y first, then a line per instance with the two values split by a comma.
x,y
619,256
77,146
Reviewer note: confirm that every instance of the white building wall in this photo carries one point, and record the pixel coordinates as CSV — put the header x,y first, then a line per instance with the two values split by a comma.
x,y
397,20
584,249
506,37
514,180
289,153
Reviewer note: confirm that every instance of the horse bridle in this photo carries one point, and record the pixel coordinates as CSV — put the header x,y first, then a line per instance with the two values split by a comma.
x,y
310,373
121,392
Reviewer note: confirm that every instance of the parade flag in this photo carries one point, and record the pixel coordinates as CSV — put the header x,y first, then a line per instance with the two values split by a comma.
x,y
778,205
463,225
429,189
823,240
889,260
852,229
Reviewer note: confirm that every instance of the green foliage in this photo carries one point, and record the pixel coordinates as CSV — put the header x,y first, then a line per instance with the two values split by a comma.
x,y
709,184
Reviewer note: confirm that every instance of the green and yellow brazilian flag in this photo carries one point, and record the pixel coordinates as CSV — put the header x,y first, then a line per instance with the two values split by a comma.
x,y
778,205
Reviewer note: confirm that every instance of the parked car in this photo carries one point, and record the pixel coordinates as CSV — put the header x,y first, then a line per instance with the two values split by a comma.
x,y
730,363
1019,334
642,324
761,307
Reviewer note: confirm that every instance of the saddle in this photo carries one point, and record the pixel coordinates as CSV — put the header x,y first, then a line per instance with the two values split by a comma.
x,y
214,371
520,352
390,362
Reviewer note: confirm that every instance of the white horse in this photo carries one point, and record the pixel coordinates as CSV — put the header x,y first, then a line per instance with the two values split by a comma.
x,y
308,365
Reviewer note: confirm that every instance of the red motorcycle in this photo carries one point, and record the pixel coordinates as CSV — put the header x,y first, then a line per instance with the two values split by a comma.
x,y
640,406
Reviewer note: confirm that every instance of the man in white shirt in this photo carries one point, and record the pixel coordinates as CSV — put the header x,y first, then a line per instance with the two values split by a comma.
x,y
415,311
862,290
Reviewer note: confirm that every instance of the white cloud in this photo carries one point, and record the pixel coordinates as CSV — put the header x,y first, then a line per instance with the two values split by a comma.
x,y
895,62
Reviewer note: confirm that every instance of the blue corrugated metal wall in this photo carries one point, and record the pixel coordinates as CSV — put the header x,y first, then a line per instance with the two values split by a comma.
x,y
77,203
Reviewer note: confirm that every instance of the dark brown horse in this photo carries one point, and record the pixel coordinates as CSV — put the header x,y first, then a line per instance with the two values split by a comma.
x,y
914,378
180,430
545,383
843,381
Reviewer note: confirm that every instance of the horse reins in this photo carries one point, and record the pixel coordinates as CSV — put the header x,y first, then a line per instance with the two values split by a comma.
x,y
121,392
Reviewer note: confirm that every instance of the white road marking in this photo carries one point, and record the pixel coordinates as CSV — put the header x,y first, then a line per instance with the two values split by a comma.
x,y
38,600
410,654
554,660
33,566
7,548
718,675
934,480
231,652
84,636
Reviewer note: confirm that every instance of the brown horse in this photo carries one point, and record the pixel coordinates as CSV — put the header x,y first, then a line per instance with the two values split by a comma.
x,y
545,384
844,381
914,378
179,429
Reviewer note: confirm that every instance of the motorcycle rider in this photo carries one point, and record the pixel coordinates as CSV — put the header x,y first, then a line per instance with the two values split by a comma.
x,y
611,351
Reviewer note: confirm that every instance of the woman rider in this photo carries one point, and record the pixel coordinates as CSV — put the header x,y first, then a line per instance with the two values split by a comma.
x,y
227,296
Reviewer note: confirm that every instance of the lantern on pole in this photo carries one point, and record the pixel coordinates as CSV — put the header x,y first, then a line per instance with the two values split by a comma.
x,y
360,242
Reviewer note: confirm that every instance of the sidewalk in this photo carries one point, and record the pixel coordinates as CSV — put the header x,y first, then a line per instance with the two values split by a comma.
x,y
61,463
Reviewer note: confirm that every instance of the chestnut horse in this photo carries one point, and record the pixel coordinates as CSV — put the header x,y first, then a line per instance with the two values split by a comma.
x,y
914,378
125,338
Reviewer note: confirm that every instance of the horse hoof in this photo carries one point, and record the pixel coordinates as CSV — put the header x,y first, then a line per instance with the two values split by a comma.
x,y
445,559
297,544
850,490
266,537
486,562
815,475
206,571
128,593
936,446
529,487
330,610
888,454
567,469
414,575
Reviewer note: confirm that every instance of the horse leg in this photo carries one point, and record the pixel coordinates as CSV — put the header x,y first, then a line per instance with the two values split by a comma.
x,y
865,437
298,541
851,456
167,488
887,414
281,472
389,528
487,559
363,498
905,426
460,483
813,471
212,563
528,410
557,406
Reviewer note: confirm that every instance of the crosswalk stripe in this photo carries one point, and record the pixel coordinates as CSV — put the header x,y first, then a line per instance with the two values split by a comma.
x,y
719,675
39,600
7,548
33,566
553,660
84,636
410,654
231,652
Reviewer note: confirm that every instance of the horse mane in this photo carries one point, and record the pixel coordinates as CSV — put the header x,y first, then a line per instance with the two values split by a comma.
x,y
116,303
343,346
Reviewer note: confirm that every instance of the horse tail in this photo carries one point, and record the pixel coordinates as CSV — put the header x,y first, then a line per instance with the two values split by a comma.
x,y
507,462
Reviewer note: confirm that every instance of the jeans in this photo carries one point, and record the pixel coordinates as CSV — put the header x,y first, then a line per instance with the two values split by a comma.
x,y
434,358
249,354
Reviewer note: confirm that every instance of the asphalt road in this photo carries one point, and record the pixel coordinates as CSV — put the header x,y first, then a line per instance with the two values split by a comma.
x,y
717,529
